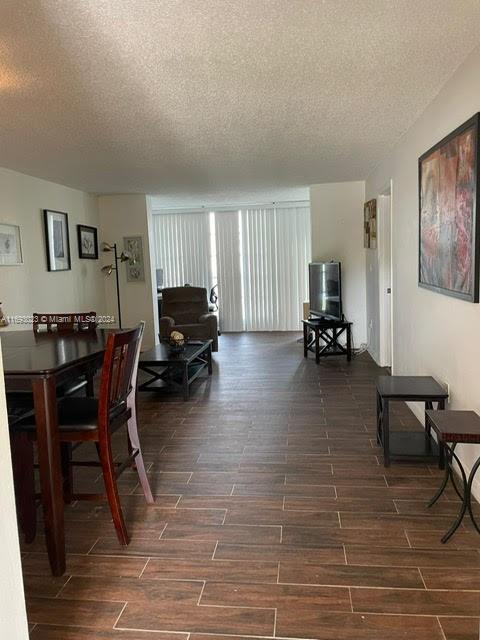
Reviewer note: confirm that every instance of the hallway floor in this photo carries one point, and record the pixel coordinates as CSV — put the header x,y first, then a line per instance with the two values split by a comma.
x,y
274,517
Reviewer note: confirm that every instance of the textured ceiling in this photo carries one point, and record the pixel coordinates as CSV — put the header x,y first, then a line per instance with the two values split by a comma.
x,y
206,98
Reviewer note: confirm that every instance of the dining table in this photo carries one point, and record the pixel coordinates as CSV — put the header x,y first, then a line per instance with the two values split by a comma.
x,y
40,363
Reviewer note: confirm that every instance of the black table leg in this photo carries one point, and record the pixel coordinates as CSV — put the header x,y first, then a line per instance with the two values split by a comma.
x,y
458,520
185,382
305,340
209,360
349,343
428,427
379,414
317,345
469,493
442,487
386,432
441,452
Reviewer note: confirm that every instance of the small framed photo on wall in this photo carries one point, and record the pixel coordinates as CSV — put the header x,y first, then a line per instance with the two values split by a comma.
x,y
57,240
87,242
10,245
135,267
370,224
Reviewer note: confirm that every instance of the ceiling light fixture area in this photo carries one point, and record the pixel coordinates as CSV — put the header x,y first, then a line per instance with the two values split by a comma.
x,y
108,269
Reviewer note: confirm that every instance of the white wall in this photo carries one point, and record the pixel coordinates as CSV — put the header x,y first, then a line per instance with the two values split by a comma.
x,y
337,234
13,619
433,334
122,216
30,287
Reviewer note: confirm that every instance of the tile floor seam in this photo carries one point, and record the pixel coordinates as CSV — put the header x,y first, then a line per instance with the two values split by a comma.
x,y
144,567
62,587
201,593
162,532
214,551
408,539
441,629
89,552
120,615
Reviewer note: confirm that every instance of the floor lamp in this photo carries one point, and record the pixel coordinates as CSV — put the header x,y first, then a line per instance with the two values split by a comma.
x,y
108,269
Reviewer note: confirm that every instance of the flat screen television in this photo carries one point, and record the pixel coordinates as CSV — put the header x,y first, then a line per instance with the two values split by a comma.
x,y
325,285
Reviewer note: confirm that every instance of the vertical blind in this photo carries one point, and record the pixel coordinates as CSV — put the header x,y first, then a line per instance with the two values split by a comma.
x,y
229,273
262,312
258,256
294,252
182,247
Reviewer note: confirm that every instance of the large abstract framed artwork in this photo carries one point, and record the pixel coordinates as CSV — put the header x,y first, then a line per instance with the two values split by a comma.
x,y
57,240
449,226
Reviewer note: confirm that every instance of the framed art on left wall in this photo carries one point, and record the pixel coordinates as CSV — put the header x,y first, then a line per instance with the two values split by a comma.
x,y
10,245
87,242
57,240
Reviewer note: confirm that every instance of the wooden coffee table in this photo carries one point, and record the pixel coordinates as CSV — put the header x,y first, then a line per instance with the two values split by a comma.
x,y
178,370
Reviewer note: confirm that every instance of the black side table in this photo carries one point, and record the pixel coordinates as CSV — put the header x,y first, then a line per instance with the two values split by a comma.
x,y
407,445
329,332
452,428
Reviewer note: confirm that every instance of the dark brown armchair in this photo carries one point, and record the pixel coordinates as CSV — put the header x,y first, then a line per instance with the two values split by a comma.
x,y
185,309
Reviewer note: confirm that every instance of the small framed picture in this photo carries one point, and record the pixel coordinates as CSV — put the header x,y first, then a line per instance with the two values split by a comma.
x,y
370,224
57,240
135,268
10,245
87,242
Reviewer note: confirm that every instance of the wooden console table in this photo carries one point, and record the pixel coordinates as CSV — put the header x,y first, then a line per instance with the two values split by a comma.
x,y
329,332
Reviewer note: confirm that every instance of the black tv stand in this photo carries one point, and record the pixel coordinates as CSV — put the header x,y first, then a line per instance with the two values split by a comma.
x,y
327,331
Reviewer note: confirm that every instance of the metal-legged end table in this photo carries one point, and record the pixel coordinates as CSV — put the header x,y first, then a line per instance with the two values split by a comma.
x,y
452,428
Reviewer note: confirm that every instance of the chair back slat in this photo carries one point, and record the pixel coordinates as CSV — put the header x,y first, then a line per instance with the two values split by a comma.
x,y
64,322
117,373
133,382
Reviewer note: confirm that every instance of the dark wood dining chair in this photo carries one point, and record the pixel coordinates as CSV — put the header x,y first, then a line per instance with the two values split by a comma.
x,y
87,419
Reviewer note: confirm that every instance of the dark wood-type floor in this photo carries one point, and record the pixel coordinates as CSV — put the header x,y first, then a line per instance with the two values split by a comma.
x,y
274,517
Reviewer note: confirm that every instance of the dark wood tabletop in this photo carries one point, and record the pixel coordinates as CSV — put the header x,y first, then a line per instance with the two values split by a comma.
x,y
162,354
315,322
26,352
456,426
410,387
